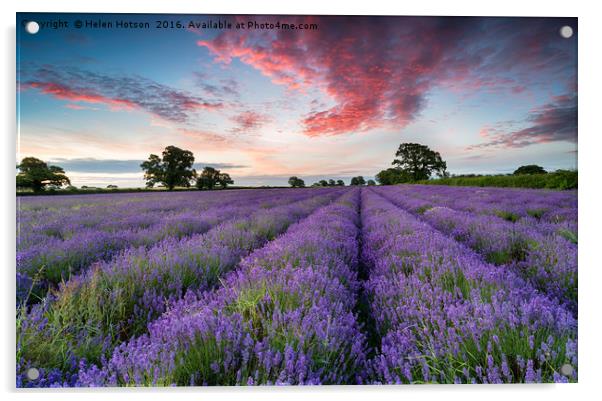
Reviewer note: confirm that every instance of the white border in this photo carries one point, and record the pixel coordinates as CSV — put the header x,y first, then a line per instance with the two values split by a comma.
x,y
589,193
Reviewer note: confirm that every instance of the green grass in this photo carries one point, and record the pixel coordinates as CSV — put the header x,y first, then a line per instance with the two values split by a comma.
x,y
569,235
562,179
512,343
509,216
423,209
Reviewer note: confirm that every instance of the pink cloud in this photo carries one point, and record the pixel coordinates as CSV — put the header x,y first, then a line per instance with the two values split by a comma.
x,y
363,65
64,92
117,92
248,122
380,70
203,136
554,121
75,106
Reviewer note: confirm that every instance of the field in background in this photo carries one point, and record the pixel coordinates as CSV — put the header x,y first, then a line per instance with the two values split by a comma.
x,y
340,285
91,191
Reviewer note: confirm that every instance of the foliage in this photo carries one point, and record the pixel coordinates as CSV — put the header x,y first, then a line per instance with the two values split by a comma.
x,y
326,183
419,161
392,176
359,180
37,174
173,169
296,182
210,177
559,179
529,169
224,180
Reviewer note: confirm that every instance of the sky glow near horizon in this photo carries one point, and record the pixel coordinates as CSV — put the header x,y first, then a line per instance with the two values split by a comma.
x,y
489,94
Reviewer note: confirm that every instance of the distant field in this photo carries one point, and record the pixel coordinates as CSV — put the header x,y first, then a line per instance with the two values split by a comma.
x,y
341,285
558,180
90,191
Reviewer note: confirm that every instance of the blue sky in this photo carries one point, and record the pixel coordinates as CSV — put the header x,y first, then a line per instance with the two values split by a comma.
x,y
489,94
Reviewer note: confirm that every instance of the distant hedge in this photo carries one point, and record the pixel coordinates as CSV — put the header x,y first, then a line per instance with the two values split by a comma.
x,y
561,179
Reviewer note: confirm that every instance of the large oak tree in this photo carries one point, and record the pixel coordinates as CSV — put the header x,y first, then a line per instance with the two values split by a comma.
x,y
419,161
37,174
173,169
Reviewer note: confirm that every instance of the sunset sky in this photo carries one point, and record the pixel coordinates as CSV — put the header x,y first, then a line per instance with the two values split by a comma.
x,y
489,94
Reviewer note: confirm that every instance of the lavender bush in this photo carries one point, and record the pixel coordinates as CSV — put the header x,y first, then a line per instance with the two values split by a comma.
x,y
378,285
112,301
445,316
59,249
541,255
285,317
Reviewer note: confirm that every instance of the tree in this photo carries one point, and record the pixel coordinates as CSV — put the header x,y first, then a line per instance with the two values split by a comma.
x,y
224,179
112,186
371,182
323,183
392,176
359,180
530,169
207,178
419,161
210,177
296,182
331,183
36,174
340,183
173,169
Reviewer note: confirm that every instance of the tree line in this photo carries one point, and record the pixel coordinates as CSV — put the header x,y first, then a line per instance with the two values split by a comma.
x,y
174,168
417,163
296,182
413,162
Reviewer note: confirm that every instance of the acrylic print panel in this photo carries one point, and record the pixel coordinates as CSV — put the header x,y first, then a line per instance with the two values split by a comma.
x,y
246,200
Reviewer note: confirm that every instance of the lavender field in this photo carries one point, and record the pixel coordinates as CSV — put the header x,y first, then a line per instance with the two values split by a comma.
x,y
342,285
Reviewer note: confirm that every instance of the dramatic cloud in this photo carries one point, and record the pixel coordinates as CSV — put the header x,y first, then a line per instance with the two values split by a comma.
x,y
116,92
379,70
555,121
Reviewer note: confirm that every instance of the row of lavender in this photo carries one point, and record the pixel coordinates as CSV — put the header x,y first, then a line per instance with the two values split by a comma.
x,y
105,305
446,316
92,211
535,250
442,313
512,204
547,212
51,249
63,216
284,317
187,311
